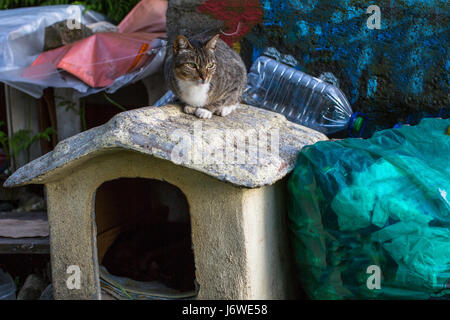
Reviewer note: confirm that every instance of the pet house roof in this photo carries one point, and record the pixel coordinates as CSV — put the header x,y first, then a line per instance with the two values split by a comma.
x,y
166,131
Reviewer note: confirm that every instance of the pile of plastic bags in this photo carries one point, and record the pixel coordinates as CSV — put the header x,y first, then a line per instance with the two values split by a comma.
x,y
381,202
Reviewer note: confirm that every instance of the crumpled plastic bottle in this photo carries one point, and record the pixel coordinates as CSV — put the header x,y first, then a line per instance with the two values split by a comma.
x,y
302,98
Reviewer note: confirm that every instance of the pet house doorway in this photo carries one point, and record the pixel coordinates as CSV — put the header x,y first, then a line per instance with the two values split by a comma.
x,y
144,240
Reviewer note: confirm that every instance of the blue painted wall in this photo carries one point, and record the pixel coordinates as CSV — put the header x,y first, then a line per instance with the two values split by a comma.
x,y
397,70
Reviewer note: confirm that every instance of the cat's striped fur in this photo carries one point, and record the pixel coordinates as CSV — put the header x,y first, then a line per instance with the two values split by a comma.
x,y
207,76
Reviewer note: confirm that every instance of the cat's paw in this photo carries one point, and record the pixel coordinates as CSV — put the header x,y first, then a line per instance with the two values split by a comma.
x,y
226,110
189,110
203,113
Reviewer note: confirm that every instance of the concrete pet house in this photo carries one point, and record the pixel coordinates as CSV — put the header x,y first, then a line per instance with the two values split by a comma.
x,y
236,210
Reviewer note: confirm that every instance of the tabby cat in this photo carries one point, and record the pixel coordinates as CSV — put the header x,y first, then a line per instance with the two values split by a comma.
x,y
207,76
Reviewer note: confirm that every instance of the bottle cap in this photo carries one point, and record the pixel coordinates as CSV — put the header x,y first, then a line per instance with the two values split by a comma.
x,y
357,124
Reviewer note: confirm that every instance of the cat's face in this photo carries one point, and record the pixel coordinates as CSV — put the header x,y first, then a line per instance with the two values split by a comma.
x,y
194,63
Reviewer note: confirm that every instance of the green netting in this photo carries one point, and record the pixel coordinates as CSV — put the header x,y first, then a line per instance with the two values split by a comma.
x,y
383,201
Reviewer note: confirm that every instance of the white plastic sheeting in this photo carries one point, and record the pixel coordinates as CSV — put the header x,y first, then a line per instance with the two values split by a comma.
x,y
22,34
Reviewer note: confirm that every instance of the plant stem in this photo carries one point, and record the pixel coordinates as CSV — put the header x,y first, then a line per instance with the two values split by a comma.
x,y
83,114
114,103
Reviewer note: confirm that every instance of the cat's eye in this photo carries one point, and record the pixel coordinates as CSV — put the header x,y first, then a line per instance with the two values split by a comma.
x,y
190,65
210,65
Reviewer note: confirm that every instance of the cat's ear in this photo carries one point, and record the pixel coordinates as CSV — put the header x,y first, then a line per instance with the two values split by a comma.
x,y
211,44
181,43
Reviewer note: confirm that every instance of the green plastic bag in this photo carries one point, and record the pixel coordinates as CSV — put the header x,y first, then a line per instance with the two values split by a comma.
x,y
382,202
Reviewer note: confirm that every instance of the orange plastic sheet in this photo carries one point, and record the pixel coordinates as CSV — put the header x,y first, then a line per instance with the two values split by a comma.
x,y
100,59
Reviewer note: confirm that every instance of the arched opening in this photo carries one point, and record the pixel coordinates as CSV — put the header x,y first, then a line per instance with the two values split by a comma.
x,y
144,240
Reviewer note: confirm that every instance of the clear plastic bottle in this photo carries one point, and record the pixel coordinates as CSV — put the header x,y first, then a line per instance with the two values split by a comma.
x,y
303,99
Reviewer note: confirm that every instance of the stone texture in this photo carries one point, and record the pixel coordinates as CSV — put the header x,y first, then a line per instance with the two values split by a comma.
x,y
160,131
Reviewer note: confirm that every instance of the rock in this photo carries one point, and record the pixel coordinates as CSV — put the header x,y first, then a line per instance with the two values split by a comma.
x,y
170,134
102,26
32,288
59,34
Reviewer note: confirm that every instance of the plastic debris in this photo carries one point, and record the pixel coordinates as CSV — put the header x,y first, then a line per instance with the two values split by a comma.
x,y
382,202
7,286
303,99
123,288
25,67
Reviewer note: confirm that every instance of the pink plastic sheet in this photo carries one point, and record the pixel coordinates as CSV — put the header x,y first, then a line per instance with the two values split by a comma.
x,y
103,57
148,16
